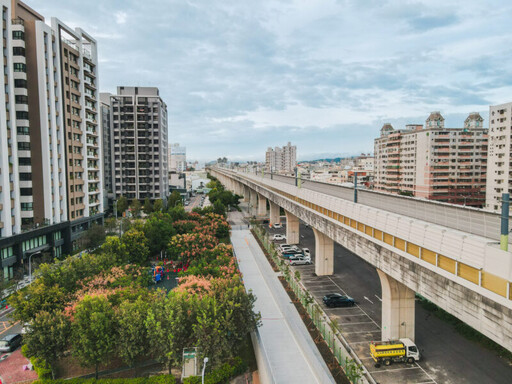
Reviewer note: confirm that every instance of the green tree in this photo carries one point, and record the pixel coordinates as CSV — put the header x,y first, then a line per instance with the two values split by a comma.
x,y
35,298
135,207
94,237
177,213
111,225
48,337
148,206
174,200
158,206
122,205
219,208
93,331
115,249
159,231
136,245
132,339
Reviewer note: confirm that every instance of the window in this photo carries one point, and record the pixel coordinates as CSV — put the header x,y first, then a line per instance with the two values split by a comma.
x,y
22,115
6,252
24,161
24,176
20,67
21,99
18,35
23,130
23,146
26,191
26,207
20,83
18,51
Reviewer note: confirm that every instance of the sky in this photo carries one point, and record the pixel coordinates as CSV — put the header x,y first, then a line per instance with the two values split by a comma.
x,y
239,76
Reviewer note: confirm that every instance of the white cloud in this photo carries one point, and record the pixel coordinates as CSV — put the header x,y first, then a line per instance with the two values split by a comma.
x,y
121,17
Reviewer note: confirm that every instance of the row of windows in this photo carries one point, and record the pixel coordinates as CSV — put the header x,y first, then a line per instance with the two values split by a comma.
x,y
23,146
6,252
27,207
34,243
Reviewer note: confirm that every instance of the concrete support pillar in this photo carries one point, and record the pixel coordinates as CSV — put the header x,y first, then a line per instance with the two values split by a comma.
x,y
324,254
253,202
292,228
262,205
398,319
274,213
246,193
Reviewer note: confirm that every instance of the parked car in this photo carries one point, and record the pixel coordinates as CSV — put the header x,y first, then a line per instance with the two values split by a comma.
x,y
291,253
300,260
284,245
306,252
10,342
277,225
338,300
279,237
291,248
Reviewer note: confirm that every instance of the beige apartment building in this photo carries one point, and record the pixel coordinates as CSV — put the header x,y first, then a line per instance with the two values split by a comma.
x,y
281,159
499,170
434,162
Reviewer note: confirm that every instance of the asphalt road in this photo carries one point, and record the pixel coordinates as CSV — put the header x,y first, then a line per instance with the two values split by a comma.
x,y
447,357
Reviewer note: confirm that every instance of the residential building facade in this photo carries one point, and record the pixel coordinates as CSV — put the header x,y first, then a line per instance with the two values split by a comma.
x,y
434,162
281,159
37,139
499,169
139,145
177,158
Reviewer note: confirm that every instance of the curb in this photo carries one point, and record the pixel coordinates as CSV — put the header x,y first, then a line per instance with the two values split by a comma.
x,y
6,311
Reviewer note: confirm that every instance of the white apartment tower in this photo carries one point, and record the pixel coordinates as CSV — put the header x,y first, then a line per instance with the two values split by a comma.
x,y
499,169
281,159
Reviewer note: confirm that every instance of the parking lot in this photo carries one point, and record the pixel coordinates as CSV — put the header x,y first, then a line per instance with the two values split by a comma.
x,y
447,357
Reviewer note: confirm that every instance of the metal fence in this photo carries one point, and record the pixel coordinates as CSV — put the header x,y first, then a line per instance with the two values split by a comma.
x,y
330,330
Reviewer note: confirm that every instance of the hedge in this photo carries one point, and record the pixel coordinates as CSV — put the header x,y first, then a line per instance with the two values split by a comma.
x,y
162,379
220,375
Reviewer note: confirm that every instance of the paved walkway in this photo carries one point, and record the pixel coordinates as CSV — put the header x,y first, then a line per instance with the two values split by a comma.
x,y
291,354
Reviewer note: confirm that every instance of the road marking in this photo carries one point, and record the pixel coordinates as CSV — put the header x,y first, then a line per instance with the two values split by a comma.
x,y
350,333
368,299
362,322
378,298
393,370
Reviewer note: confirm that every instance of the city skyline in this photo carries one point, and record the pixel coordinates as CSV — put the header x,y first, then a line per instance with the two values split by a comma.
x,y
241,77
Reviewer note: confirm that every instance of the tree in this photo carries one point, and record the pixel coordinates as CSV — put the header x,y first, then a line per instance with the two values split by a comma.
x,y
174,200
48,337
132,341
111,225
136,246
94,237
93,331
158,230
158,206
219,208
135,207
122,205
115,249
148,207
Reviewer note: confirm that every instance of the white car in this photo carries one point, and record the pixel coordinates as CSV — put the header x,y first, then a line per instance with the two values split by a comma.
x,y
301,260
306,252
279,237
277,225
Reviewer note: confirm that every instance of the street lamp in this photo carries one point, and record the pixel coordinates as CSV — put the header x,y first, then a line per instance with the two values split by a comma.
x,y
204,366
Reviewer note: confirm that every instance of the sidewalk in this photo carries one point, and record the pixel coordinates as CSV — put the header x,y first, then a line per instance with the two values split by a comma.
x,y
291,355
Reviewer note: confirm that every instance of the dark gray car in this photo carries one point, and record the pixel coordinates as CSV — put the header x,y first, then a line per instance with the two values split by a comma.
x,y
10,342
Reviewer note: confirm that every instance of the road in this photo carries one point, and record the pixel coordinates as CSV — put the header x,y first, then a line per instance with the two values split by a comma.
x,y
447,357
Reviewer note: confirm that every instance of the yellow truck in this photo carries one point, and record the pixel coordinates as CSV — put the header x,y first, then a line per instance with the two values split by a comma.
x,y
394,351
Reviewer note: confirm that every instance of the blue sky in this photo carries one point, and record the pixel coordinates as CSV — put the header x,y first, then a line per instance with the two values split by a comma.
x,y
241,75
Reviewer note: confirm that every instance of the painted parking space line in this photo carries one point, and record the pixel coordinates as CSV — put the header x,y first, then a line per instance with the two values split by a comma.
x,y
394,370
352,333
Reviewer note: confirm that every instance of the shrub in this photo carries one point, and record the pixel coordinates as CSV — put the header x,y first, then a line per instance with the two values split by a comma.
x,y
41,367
220,375
161,379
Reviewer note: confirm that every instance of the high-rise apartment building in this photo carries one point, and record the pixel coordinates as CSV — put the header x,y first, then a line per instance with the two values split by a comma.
x,y
281,159
42,135
499,169
139,162
177,158
434,162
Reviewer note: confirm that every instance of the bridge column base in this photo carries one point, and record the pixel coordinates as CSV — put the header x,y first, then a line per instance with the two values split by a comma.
x,y
324,254
262,205
274,213
398,302
292,228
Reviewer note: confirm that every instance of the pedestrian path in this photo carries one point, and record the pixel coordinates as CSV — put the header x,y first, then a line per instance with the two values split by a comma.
x,y
289,352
